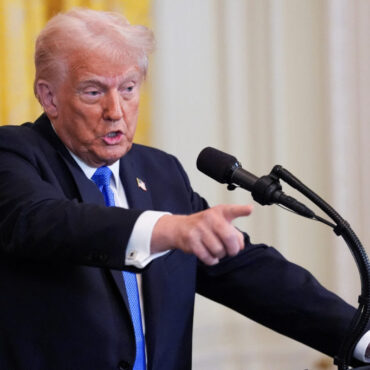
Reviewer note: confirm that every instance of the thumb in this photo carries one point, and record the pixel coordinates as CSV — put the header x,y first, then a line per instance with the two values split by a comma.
x,y
232,211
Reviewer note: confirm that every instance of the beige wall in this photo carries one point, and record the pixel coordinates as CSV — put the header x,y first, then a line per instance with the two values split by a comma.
x,y
270,81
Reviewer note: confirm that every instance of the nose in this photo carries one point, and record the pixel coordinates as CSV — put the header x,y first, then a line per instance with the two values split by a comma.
x,y
113,110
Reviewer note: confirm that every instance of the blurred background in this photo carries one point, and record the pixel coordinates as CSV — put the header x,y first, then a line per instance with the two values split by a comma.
x,y
269,81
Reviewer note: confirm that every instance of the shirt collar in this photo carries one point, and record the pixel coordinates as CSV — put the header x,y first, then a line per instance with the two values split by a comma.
x,y
89,171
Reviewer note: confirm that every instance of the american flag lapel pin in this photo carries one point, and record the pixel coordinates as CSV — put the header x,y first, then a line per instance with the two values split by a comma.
x,y
141,184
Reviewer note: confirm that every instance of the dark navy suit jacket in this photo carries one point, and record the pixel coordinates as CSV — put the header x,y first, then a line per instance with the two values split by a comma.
x,y
63,304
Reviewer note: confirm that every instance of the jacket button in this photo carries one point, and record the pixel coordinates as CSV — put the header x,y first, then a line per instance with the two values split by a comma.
x,y
124,365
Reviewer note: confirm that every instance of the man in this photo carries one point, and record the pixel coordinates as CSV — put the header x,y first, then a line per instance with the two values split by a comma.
x,y
66,304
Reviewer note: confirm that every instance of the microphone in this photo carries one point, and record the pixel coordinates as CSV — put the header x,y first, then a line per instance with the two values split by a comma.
x,y
266,190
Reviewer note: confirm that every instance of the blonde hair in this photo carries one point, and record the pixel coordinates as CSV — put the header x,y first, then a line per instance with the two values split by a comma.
x,y
106,32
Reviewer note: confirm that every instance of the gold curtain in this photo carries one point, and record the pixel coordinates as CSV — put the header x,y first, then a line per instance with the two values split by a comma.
x,y
20,23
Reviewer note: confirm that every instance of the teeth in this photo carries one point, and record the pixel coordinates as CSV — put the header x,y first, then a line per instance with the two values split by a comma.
x,y
112,134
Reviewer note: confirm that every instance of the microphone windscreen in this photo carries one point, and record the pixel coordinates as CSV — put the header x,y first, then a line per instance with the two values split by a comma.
x,y
216,164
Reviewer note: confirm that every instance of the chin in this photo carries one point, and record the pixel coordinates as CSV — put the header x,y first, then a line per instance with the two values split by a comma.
x,y
113,157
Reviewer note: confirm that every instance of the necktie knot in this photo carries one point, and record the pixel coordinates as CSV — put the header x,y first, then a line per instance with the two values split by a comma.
x,y
102,176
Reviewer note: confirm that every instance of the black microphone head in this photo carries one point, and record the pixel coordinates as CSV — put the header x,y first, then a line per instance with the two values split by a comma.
x,y
217,164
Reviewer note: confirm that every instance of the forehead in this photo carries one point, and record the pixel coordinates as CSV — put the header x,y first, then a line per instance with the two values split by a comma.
x,y
86,65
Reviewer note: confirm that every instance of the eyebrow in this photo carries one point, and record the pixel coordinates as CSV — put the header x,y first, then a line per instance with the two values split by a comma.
x,y
95,81
85,83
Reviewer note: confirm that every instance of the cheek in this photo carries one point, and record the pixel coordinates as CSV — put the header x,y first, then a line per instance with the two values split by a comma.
x,y
132,117
86,123
79,119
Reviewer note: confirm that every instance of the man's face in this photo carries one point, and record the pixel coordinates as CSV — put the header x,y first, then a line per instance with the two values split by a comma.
x,y
97,107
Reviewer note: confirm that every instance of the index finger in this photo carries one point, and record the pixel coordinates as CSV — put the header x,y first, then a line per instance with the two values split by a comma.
x,y
232,211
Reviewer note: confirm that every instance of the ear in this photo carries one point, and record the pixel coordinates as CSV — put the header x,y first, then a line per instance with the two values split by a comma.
x,y
46,95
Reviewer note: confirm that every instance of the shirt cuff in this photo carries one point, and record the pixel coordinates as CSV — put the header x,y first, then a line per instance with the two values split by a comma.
x,y
360,349
138,247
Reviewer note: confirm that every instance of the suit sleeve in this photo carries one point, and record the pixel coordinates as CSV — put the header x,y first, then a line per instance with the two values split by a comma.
x,y
39,223
262,285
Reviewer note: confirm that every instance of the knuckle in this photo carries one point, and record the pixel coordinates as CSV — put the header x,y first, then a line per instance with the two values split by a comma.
x,y
202,255
232,243
221,254
192,235
220,224
227,232
218,251
234,250
196,249
208,216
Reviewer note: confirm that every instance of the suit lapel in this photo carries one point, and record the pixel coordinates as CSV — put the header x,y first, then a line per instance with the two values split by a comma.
x,y
134,181
89,192
154,278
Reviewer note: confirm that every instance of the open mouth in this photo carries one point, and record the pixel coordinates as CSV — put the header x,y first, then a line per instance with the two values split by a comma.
x,y
113,134
113,137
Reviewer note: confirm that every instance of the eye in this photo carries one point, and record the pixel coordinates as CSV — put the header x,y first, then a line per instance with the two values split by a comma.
x,y
93,92
127,90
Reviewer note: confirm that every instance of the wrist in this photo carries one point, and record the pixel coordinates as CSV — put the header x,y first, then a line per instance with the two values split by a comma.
x,y
164,233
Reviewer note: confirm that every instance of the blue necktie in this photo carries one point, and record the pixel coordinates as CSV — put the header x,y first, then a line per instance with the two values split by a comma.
x,y
101,178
